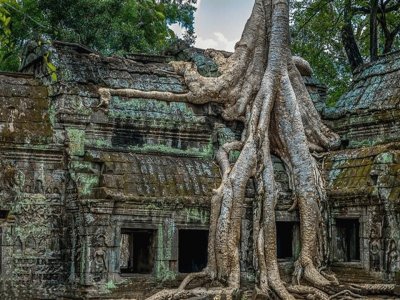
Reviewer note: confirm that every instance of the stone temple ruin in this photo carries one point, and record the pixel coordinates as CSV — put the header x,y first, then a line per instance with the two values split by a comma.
x,y
108,202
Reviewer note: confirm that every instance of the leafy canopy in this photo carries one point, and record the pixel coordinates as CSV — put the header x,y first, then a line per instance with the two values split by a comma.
x,y
316,36
108,26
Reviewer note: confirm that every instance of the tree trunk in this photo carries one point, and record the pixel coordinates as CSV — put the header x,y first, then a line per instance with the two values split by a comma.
x,y
373,27
389,36
348,39
389,40
351,47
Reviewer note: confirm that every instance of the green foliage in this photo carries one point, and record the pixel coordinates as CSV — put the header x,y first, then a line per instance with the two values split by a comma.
x,y
5,33
5,21
316,36
51,68
25,21
108,26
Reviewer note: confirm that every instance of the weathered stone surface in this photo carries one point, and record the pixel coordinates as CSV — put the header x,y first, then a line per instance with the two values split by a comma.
x,y
363,183
369,113
24,115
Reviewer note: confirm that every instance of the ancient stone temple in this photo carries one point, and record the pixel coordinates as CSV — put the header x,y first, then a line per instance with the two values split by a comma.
x,y
363,179
104,200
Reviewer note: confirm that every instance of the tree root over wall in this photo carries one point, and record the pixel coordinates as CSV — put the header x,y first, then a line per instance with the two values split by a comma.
x,y
261,85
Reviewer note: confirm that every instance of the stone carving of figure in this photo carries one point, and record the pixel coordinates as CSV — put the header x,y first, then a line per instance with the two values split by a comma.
x,y
374,249
30,243
39,187
18,245
392,257
100,260
10,182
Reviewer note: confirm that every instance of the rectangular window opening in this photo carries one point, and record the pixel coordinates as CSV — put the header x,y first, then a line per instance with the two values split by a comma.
x,y
1,250
137,251
348,240
4,214
284,239
192,253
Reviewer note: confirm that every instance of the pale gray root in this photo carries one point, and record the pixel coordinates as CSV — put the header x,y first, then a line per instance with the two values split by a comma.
x,y
213,269
303,66
269,229
308,291
319,136
346,293
386,289
330,277
308,185
188,279
196,292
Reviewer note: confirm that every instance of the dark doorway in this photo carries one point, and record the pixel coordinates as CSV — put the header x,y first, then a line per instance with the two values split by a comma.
x,y
4,214
192,250
284,239
348,240
137,251
1,249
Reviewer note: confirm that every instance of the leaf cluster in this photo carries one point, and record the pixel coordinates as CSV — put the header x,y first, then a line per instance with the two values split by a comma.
x,y
108,26
316,36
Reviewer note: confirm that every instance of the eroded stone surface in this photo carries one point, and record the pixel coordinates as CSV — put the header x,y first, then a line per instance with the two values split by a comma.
x,y
368,114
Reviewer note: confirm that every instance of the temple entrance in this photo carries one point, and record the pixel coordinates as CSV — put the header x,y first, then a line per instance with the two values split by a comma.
x,y
1,249
347,240
3,214
137,251
192,250
286,239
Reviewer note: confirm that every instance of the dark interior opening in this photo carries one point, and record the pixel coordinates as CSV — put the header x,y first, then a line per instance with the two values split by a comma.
x,y
348,240
192,250
1,250
284,239
344,144
4,214
137,251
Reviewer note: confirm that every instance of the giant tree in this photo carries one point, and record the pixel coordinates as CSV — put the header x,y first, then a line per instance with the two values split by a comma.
x,y
260,85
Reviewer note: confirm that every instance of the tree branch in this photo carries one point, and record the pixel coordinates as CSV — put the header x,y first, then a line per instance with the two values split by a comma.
x,y
360,9
392,8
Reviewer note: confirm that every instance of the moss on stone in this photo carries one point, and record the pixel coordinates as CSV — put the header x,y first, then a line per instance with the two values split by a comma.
x,y
76,141
110,285
197,214
385,158
162,270
152,109
206,152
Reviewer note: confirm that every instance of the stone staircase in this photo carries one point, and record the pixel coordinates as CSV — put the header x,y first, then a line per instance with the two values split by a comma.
x,y
133,288
354,274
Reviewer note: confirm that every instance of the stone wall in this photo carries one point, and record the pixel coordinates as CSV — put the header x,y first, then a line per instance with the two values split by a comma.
x,y
368,114
364,185
363,179
32,196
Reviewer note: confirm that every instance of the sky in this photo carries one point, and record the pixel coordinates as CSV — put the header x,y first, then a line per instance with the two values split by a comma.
x,y
219,23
